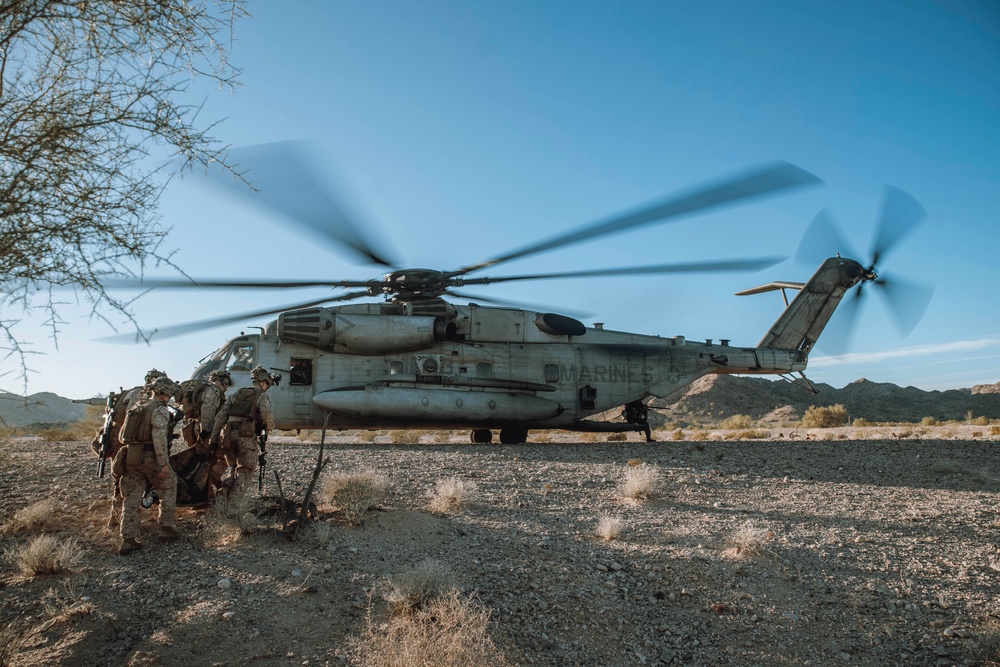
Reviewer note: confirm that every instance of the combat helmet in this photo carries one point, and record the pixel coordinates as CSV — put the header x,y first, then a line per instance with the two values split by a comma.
x,y
152,374
260,374
222,376
164,385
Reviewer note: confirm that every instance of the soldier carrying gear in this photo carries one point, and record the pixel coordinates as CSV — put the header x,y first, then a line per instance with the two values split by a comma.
x,y
144,460
123,402
245,414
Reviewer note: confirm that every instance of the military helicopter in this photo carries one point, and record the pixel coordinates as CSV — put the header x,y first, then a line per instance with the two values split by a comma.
x,y
416,360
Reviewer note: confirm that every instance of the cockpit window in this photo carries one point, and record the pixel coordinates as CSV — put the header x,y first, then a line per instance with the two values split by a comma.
x,y
243,358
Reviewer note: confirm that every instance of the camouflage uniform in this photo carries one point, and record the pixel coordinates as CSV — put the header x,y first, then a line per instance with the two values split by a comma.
x,y
243,414
127,400
147,467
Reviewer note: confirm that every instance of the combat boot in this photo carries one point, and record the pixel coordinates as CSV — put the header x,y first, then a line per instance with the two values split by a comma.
x,y
168,533
129,544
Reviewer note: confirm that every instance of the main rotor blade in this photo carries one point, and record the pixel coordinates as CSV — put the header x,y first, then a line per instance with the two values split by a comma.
x,y
694,267
181,329
901,213
766,180
822,240
908,302
187,283
283,178
517,304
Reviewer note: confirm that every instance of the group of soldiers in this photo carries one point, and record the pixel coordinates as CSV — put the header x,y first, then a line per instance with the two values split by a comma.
x,y
220,434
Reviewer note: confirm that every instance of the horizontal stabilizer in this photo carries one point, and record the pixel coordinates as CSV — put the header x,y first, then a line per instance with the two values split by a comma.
x,y
770,287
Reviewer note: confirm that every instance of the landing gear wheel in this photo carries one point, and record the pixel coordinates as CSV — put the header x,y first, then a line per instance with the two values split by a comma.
x,y
514,435
481,436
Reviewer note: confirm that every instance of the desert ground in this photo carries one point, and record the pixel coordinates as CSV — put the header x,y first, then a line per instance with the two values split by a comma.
x,y
805,548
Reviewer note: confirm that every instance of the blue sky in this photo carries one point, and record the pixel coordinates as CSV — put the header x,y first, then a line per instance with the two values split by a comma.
x,y
465,129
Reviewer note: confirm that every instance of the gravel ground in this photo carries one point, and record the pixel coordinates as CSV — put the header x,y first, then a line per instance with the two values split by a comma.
x,y
763,552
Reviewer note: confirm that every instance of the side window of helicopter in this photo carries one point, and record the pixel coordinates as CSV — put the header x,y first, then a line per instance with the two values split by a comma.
x,y
484,371
552,373
243,358
301,372
395,367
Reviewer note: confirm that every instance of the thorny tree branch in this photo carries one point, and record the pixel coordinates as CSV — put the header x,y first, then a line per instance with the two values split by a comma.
x,y
88,89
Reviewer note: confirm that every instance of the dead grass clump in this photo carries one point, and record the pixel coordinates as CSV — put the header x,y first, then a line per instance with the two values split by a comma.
x,y
413,589
609,527
233,515
31,518
749,434
450,494
748,541
12,639
677,435
826,416
47,554
861,422
735,422
641,482
995,430
620,436
451,630
354,493
699,434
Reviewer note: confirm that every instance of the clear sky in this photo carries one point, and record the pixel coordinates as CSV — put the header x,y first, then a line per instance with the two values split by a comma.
x,y
463,129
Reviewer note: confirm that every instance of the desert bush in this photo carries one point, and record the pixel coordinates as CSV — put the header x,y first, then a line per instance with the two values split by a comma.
x,y
354,493
749,434
677,435
233,515
620,436
734,422
861,422
414,588
12,639
452,630
47,554
699,434
450,494
641,482
32,517
748,540
826,416
929,421
609,527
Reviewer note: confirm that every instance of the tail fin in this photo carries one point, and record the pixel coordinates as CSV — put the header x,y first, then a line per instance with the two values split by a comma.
x,y
804,319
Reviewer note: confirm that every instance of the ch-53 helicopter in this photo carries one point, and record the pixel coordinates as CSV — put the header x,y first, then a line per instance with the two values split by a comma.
x,y
415,360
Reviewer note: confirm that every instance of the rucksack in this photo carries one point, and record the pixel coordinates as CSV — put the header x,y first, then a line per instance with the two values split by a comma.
x,y
188,396
137,429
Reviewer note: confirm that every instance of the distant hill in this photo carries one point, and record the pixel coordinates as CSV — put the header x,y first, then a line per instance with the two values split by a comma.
x,y
713,398
38,409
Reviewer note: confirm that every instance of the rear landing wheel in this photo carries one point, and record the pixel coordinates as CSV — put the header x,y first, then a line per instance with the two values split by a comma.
x,y
481,436
513,435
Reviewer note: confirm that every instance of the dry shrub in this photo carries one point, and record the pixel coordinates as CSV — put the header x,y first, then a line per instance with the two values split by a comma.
x,y
826,416
415,587
12,639
620,436
995,430
699,434
32,517
450,494
641,482
677,435
609,527
735,422
233,515
749,434
748,540
929,421
47,554
354,493
452,630
861,422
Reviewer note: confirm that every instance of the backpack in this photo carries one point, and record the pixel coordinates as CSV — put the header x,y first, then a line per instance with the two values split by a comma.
x,y
137,429
188,396
244,403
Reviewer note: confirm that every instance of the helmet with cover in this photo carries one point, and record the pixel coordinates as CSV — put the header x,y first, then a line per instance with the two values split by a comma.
x,y
260,374
152,374
222,376
164,385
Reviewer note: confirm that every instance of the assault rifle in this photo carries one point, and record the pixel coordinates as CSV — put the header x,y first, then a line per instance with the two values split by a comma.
x,y
102,455
261,455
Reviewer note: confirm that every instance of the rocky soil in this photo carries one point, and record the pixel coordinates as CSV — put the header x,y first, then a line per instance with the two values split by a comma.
x,y
870,552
